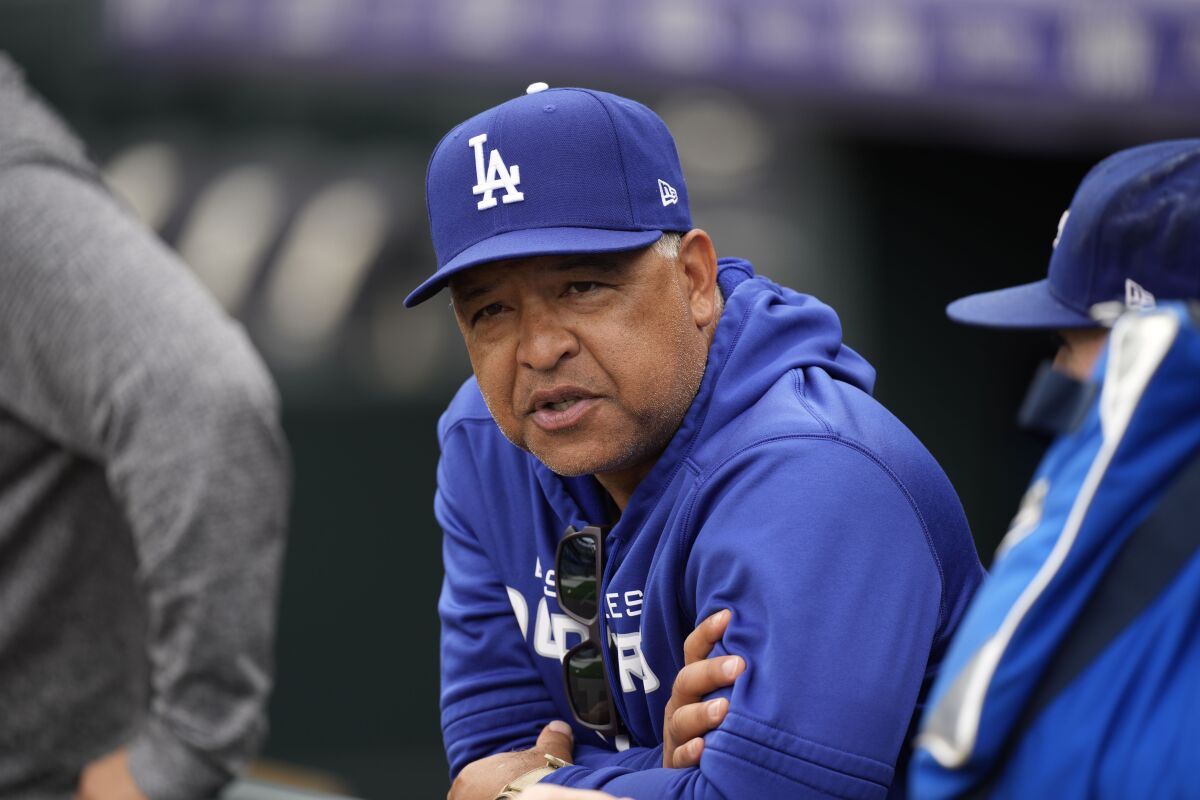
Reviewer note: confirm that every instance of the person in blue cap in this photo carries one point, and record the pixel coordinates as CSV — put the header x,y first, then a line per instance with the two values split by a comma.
x,y
1076,672
654,437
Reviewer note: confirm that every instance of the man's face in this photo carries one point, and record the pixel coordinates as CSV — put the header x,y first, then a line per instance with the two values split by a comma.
x,y
589,362
1079,350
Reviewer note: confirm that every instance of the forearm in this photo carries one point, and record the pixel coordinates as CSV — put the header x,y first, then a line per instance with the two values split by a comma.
x,y
743,759
211,558
635,758
166,768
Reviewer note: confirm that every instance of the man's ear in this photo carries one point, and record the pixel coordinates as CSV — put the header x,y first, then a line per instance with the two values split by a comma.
x,y
698,260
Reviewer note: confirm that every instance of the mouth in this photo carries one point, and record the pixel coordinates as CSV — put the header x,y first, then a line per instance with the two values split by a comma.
x,y
558,399
563,406
560,407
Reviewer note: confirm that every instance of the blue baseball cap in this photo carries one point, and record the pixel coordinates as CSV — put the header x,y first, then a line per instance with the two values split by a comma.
x,y
555,171
1132,234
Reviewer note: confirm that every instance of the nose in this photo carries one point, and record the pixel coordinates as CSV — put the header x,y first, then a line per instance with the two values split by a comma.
x,y
545,341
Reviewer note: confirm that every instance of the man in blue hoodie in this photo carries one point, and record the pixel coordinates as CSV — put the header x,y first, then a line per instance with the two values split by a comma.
x,y
653,435
1074,673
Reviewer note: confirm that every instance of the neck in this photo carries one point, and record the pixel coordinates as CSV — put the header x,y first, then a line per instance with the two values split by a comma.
x,y
621,484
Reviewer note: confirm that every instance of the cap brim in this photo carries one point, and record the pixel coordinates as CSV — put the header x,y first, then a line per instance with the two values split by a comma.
x,y
533,242
1031,306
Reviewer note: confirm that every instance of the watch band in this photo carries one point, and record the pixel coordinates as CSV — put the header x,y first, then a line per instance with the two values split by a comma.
x,y
522,782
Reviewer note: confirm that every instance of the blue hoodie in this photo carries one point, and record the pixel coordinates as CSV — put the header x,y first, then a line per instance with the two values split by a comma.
x,y
788,495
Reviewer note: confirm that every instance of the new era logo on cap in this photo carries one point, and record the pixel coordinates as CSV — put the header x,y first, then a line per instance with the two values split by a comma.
x,y
667,192
1137,296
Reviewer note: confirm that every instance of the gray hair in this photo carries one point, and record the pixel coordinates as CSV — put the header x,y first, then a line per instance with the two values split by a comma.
x,y
667,245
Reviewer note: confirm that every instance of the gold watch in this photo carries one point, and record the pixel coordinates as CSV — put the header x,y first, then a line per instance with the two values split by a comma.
x,y
523,782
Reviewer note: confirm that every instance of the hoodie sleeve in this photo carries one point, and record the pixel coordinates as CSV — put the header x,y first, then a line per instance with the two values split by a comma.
x,y
823,557
493,698
110,348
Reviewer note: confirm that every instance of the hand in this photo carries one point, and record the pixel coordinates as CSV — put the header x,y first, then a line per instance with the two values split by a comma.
x,y
686,719
109,778
483,779
544,791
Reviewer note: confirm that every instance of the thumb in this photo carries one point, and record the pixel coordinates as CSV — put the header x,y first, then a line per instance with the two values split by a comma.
x,y
556,739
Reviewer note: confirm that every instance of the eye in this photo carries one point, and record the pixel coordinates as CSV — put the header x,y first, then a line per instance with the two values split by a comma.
x,y
490,310
582,287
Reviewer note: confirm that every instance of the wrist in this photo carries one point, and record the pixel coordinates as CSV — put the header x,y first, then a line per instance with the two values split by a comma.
x,y
522,782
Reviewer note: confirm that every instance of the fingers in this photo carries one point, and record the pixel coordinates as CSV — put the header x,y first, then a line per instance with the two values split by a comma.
x,y
109,777
704,677
688,755
685,718
692,721
699,642
556,739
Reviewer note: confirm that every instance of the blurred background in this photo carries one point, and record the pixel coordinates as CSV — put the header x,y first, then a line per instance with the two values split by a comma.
x,y
885,156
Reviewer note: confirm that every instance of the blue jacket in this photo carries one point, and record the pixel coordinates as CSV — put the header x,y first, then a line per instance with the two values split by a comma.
x,y
788,495
1076,672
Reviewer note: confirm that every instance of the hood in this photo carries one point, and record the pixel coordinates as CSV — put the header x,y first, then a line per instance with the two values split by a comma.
x,y
767,330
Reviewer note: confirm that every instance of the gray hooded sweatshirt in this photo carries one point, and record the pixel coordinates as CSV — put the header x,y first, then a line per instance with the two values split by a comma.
x,y
143,490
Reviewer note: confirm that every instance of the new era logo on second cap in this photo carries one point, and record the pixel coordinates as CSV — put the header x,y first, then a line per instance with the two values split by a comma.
x,y
1136,296
499,176
667,192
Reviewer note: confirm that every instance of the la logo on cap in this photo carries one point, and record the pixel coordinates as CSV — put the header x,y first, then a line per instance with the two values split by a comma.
x,y
499,176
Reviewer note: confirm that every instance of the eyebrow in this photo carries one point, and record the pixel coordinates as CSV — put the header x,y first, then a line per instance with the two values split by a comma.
x,y
603,262
600,266
470,294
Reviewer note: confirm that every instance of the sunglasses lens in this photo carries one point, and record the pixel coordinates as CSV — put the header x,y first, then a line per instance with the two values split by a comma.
x,y
586,684
576,578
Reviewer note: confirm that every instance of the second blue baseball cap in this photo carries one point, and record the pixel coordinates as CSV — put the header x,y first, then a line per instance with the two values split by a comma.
x,y
555,171
1132,234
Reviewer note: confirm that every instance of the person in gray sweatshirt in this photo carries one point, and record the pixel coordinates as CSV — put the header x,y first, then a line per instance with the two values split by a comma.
x,y
143,494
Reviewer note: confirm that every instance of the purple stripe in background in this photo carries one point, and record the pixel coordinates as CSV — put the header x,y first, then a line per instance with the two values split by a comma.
x,y
1088,52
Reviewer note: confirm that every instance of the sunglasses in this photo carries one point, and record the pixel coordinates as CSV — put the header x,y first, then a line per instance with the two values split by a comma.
x,y
579,569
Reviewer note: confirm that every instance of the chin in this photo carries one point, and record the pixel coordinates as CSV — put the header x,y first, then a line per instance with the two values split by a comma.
x,y
570,462
566,466
588,460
